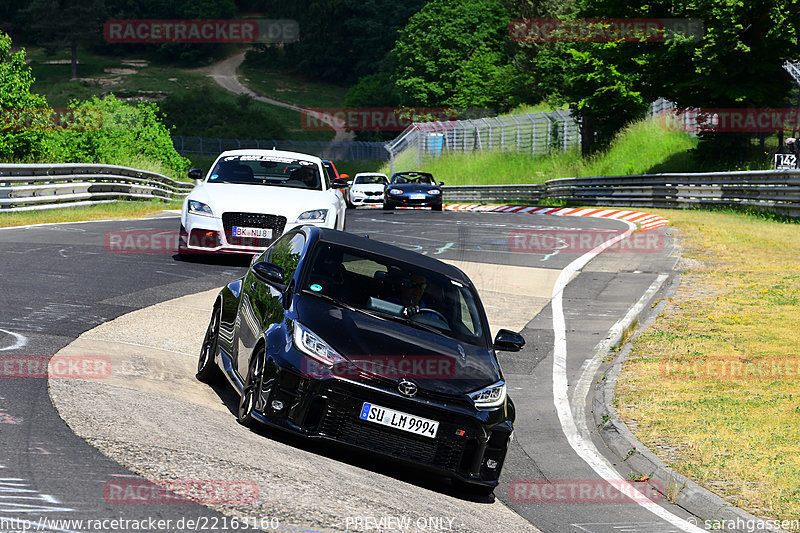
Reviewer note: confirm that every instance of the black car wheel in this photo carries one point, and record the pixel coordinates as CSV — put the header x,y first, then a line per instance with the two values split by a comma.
x,y
252,391
437,207
387,206
207,369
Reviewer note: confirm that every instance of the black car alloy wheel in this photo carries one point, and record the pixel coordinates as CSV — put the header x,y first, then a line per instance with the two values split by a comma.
x,y
207,370
252,390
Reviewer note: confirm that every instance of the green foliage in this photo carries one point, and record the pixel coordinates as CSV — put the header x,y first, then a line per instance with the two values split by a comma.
x,y
341,40
128,135
374,90
445,59
15,96
203,113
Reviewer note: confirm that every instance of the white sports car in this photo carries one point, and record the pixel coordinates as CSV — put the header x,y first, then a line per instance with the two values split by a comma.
x,y
367,189
251,197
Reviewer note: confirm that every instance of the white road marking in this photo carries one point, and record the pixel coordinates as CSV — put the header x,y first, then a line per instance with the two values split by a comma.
x,y
585,448
19,341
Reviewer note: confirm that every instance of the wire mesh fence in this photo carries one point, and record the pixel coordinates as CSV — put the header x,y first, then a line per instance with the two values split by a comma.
x,y
345,150
532,133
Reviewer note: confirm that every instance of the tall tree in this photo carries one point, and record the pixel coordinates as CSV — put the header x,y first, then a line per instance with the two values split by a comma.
x,y
65,23
455,52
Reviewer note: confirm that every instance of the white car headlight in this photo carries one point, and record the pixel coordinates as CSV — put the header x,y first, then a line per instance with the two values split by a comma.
x,y
199,208
491,396
395,191
315,215
434,192
314,347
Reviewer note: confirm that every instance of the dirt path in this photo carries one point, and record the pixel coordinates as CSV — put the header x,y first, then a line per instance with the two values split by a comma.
x,y
224,73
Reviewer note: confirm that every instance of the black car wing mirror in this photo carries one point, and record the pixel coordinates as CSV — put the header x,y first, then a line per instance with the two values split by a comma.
x,y
508,341
441,183
195,174
269,273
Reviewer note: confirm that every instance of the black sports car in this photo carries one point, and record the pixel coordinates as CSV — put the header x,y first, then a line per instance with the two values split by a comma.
x,y
341,337
413,189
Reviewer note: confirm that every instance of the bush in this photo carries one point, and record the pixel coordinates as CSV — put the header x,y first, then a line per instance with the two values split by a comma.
x,y
120,134
18,138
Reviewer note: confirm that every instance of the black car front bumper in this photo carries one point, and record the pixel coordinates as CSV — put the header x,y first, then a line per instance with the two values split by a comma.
x,y
470,445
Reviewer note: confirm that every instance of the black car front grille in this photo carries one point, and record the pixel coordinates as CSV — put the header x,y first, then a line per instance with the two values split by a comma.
x,y
252,220
341,422
373,193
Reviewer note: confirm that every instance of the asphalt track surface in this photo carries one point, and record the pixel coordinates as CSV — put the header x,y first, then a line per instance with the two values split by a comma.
x,y
60,281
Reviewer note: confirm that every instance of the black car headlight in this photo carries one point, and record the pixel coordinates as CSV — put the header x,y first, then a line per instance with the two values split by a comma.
x,y
311,345
491,396
434,192
199,208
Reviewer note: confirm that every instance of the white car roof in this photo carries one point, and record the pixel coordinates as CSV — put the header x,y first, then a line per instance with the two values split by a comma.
x,y
370,174
276,153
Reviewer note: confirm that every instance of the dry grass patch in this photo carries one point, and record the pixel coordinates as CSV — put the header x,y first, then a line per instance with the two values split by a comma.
x,y
712,386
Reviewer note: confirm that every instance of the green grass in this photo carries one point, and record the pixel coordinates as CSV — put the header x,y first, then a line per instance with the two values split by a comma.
x,y
291,88
90,212
642,148
712,384
153,82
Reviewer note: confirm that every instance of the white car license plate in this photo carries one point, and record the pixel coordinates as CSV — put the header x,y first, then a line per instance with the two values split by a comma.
x,y
259,233
395,419
416,196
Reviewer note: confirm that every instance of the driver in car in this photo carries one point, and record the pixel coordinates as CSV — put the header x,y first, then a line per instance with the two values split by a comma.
x,y
307,176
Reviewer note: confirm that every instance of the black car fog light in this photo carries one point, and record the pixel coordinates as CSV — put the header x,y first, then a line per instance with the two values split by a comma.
x,y
491,464
277,405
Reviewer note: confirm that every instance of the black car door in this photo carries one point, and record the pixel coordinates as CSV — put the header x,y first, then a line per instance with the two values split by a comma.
x,y
261,304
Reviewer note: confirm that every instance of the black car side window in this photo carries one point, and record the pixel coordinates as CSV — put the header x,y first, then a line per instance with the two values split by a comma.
x,y
286,253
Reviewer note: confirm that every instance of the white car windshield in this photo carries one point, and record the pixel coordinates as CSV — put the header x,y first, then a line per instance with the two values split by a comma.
x,y
266,170
369,180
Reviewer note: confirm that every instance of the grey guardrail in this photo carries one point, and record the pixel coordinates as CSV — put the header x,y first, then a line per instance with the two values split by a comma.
x,y
774,190
34,187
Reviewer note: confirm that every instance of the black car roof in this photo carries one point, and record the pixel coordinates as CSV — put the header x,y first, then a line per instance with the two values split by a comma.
x,y
381,248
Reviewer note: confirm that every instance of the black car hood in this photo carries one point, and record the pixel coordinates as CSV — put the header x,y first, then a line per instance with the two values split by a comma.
x,y
392,350
413,187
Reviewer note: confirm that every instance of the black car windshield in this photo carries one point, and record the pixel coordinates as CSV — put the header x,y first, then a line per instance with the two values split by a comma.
x,y
423,179
369,180
266,170
395,290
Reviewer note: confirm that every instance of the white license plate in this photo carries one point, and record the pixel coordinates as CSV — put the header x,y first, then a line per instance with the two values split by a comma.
x,y
395,419
416,196
259,233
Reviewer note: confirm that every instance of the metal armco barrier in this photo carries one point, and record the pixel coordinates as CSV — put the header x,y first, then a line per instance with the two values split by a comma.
x,y
777,191
36,187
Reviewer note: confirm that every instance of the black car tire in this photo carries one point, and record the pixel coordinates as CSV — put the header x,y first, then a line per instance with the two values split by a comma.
x,y
387,206
251,392
437,207
348,203
207,369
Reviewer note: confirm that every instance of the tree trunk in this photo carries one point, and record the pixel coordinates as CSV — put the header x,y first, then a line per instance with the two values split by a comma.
x,y
74,72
